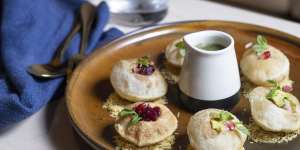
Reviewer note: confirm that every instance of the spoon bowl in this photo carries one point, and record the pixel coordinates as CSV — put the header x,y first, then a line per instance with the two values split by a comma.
x,y
47,70
55,68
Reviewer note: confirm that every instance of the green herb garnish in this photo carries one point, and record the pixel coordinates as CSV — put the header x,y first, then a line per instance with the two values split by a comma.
x,y
144,61
219,120
180,45
261,45
274,84
135,119
272,93
278,96
182,49
225,115
222,116
129,112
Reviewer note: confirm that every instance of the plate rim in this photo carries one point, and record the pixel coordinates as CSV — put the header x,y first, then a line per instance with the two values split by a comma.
x,y
103,49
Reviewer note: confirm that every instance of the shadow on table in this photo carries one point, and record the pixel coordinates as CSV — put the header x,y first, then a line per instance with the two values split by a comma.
x,y
61,134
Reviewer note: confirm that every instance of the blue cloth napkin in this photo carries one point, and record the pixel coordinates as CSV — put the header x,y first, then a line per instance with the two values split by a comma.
x,y
31,31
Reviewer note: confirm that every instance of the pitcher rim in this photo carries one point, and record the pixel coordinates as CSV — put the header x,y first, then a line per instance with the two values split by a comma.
x,y
195,48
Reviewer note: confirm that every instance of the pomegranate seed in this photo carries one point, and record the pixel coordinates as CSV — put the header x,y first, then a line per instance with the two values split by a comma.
x,y
287,88
266,55
144,70
147,112
230,125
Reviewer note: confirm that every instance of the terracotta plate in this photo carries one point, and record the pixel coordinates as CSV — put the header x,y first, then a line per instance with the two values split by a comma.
x,y
89,87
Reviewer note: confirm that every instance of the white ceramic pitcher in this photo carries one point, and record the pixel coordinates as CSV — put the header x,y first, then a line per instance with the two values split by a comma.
x,y
209,78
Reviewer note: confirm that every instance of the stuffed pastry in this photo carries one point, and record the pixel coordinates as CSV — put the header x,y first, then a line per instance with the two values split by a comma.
x,y
263,62
275,110
138,80
214,129
175,52
146,123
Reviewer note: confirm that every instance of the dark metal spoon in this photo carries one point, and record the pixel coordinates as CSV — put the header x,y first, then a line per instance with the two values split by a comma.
x,y
87,14
55,68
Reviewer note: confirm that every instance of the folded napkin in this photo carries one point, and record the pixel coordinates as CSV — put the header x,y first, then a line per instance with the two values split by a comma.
x,y
31,31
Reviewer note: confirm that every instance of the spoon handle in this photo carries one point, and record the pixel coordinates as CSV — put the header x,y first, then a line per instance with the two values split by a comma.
x,y
87,14
56,61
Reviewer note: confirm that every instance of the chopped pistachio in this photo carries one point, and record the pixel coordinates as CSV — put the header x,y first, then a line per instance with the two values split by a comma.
x,y
216,125
277,96
219,120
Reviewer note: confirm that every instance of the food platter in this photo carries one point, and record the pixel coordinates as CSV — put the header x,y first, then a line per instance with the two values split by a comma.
x,y
89,86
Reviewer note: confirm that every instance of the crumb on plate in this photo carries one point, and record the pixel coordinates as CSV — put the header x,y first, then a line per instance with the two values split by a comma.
x,y
258,135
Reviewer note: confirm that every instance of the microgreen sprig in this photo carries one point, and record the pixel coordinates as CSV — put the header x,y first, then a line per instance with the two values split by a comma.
x,y
129,112
144,61
182,49
286,86
261,45
275,84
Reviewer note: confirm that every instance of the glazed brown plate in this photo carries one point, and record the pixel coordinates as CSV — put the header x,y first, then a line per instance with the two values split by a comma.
x,y
90,86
